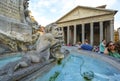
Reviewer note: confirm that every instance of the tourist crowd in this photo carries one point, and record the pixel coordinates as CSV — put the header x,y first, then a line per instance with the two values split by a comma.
x,y
109,48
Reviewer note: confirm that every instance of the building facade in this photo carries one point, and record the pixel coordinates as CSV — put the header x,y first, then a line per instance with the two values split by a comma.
x,y
94,24
116,35
119,32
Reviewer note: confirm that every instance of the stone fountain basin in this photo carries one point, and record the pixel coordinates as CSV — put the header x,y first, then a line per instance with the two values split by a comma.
x,y
115,62
105,68
9,57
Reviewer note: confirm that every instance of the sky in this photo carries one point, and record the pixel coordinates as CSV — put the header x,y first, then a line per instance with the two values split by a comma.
x,y
48,11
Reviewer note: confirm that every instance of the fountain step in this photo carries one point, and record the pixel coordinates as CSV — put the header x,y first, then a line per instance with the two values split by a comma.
x,y
40,72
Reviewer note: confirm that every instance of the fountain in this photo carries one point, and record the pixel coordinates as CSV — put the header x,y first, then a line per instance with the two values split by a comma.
x,y
31,56
6,59
46,46
18,34
83,65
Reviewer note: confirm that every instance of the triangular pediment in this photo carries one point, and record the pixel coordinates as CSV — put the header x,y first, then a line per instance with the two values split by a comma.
x,y
84,12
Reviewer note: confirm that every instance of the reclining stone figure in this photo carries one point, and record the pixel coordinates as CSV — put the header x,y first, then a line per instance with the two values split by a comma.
x,y
46,47
41,54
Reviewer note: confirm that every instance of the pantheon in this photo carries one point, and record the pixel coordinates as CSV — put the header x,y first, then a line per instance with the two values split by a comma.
x,y
92,23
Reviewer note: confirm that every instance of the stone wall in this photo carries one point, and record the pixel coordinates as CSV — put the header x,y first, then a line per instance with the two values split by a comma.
x,y
119,32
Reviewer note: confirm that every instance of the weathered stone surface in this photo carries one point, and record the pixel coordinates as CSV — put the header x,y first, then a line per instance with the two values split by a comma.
x,y
16,25
12,16
10,9
21,73
16,32
46,46
4,48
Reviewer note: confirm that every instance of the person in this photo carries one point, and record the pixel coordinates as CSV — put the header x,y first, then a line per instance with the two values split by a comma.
x,y
95,48
86,41
102,46
117,44
86,46
78,45
110,50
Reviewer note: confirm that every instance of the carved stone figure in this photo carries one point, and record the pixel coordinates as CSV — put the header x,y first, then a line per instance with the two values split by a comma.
x,y
25,4
46,46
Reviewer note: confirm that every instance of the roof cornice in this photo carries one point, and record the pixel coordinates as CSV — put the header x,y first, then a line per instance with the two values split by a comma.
x,y
95,8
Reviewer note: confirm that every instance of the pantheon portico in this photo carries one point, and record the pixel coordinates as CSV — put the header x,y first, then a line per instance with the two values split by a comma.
x,y
94,24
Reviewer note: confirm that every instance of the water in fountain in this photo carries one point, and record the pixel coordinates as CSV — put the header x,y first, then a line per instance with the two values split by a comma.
x,y
75,65
5,60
